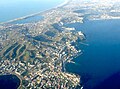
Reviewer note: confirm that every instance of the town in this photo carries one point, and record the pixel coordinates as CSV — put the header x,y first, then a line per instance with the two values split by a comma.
x,y
38,51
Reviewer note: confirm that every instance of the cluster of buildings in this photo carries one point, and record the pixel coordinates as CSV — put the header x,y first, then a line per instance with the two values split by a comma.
x,y
42,50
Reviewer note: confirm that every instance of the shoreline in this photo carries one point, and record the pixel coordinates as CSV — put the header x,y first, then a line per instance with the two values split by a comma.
x,y
34,14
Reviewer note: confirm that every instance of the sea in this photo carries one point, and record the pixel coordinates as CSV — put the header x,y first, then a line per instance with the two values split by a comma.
x,y
99,65
12,9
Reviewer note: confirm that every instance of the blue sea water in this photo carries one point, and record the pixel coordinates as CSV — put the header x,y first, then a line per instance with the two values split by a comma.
x,y
11,9
100,60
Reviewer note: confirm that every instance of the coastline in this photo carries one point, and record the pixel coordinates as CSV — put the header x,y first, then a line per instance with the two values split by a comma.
x,y
64,3
56,64
34,14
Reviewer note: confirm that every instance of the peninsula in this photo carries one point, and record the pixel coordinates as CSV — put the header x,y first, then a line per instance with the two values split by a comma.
x,y
38,51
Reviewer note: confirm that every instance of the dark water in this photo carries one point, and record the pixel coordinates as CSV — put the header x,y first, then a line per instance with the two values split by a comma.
x,y
100,61
9,82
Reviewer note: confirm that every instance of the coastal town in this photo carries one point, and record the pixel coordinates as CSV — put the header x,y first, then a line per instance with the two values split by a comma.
x,y
38,51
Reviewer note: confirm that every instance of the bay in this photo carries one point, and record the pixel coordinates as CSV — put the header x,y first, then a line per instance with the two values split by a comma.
x,y
9,81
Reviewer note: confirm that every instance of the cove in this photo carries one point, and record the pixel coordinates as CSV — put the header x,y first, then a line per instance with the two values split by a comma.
x,y
9,81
